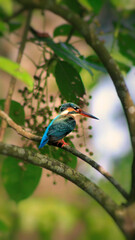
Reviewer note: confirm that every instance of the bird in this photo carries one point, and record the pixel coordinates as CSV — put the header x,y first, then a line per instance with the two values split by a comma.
x,y
63,124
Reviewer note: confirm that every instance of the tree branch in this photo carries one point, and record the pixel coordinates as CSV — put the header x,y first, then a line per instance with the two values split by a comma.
x,y
91,162
13,80
18,128
99,168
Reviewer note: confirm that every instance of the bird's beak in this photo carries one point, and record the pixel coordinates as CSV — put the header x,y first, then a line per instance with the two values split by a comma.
x,y
83,113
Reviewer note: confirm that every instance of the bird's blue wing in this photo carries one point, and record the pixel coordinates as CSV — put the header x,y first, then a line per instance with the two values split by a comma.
x,y
60,128
45,139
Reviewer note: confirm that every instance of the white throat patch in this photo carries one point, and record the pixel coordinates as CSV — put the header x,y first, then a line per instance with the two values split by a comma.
x,y
65,112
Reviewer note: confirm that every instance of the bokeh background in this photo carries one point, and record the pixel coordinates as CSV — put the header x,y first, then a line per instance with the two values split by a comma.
x,y
57,209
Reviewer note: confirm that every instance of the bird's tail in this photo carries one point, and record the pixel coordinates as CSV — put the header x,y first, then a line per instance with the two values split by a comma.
x,y
43,142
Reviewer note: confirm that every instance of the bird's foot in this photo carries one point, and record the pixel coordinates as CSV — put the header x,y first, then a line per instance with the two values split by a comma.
x,y
62,142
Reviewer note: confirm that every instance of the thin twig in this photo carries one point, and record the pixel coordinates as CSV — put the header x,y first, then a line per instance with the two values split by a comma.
x,y
75,152
13,80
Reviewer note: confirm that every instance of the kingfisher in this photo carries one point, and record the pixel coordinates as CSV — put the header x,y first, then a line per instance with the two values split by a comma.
x,y
63,124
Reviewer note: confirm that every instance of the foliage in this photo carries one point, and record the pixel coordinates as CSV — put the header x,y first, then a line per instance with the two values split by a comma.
x,y
64,70
16,71
19,179
44,216
16,111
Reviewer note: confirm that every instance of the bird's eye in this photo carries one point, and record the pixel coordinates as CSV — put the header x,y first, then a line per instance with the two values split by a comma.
x,y
76,108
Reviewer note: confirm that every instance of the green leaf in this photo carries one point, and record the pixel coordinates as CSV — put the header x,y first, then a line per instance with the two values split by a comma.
x,y
69,82
96,5
64,30
14,26
16,111
126,44
123,67
3,227
65,51
95,63
72,5
15,70
3,14
19,181
7,6
3,28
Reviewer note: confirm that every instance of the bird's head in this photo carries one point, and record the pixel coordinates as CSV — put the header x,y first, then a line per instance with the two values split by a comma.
x,y
73,109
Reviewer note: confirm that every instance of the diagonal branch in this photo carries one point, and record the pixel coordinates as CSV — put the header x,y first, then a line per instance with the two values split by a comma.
x,y
18,128
91,162
99,168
